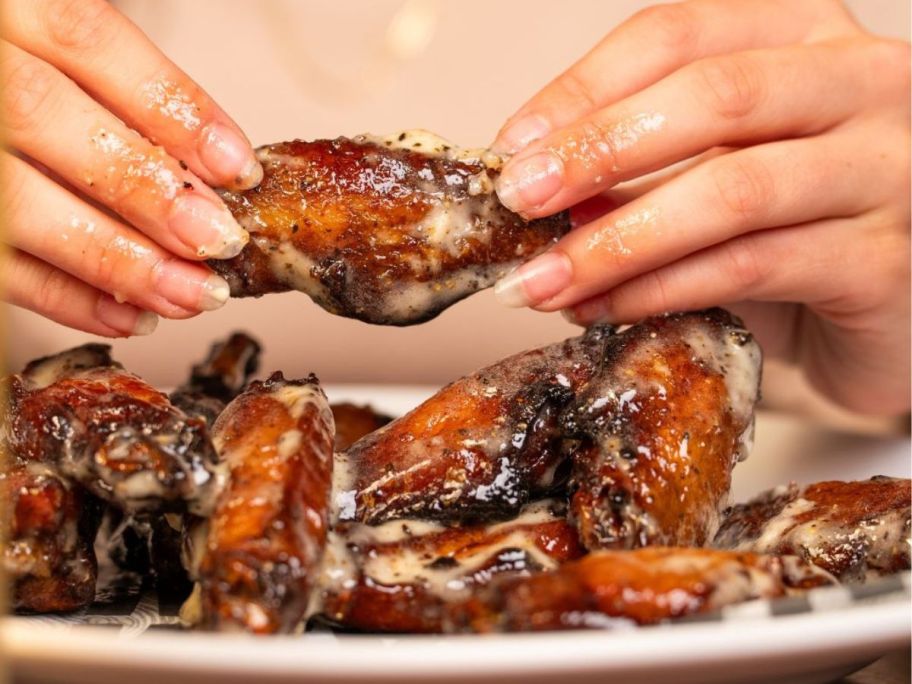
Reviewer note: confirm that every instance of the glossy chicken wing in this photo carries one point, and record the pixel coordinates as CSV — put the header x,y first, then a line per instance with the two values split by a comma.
x,y
854,530
80,414
621,588
220,377
478,449
354,422
660,428
47,545
262,547
403,575
386,230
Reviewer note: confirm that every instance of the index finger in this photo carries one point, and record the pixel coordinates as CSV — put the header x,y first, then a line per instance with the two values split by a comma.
x,y
112,59
652,44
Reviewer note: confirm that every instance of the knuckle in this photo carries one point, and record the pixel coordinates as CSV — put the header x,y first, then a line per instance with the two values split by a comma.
x,y
101,264
595,148
744,188
577,89
744,265
29,88
658,291
79,24
733,85
673,26
52,293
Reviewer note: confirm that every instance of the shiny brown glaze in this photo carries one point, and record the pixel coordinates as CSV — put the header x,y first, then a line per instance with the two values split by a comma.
x,y
853,530
478,449
620,588
82,415
408,597
220,377
47,547
661,427
266,537
351,223
354,422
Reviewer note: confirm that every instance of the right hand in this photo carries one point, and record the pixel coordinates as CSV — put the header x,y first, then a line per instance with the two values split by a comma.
x,y
104,223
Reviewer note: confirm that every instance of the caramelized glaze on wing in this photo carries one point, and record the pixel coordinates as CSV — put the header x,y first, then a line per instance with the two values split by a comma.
x,y
661,426
82,415
389,231
478,449
354,422
220,377
401,576
854,530
47,548
265,540
644,586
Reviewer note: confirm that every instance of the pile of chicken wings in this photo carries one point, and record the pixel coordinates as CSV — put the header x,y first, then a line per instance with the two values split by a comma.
x,y
584,484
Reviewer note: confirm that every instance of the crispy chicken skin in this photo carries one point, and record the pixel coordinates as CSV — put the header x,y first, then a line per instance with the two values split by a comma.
x,y
389,231
266,538
642,586
854,530
47,547
82,415
403,575
478,449
220,377
354,422
661,426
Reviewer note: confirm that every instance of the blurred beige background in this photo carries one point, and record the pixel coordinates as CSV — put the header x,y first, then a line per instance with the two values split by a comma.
x,y
322,68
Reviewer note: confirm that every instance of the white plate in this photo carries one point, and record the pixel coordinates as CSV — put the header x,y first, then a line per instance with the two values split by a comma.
x,y
805,647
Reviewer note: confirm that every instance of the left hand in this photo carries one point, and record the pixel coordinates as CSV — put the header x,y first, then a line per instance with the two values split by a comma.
x,y
788,201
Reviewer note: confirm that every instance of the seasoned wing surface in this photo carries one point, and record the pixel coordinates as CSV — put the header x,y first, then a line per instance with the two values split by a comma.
x,y
388,231
220,377
854,530
47,547
266,538
661,426
643,586
478,449
402,576
354,422
82,415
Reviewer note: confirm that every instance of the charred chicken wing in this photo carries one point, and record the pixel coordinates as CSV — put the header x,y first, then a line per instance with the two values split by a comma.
x,y
386,230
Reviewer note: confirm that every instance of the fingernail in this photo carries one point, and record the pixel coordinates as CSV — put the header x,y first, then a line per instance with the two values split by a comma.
x,y
528,183
229,157
520,133
209,230
190,286
570,316
535,281
125,318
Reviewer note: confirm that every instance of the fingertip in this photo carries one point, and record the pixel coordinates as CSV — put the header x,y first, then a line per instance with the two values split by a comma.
x,y
519,132
229,157
122,319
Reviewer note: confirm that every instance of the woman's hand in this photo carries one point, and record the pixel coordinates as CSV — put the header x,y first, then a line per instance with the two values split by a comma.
x,y
790,203
104,223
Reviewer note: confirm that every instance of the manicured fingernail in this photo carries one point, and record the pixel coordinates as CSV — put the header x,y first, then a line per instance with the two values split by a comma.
x,y
528,183
229,156
125,318
209,230
520,133
536,281
190,286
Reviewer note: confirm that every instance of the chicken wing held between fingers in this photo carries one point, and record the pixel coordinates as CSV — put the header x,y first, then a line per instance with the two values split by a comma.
x,y
386,230
478,449
82,415
854,530
263,545
661,426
